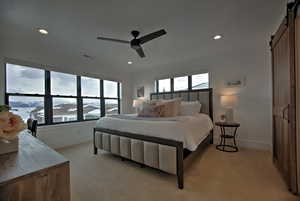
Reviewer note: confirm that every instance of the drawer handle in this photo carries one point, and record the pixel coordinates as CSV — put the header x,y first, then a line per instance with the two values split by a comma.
x,y
286,109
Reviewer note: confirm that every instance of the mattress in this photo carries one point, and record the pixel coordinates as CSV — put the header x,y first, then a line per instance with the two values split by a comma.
x,y
191,130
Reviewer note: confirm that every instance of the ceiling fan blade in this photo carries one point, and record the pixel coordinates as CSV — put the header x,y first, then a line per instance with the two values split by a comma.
x,y
152,36
140,52
113,40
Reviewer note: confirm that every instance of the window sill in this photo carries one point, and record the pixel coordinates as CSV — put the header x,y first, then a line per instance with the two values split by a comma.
x,y
66,123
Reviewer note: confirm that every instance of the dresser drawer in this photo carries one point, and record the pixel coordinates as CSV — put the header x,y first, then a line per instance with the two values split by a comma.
x,y
52,184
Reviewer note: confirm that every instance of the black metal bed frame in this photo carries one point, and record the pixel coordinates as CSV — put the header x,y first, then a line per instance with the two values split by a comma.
x,y
180,151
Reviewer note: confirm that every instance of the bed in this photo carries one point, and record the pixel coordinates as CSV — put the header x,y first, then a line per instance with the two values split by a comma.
x,y
161,143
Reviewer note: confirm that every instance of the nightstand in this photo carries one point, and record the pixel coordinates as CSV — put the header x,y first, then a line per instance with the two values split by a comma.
x,y
223,146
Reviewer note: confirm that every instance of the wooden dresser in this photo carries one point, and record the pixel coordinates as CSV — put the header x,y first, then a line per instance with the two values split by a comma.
x,y
35,173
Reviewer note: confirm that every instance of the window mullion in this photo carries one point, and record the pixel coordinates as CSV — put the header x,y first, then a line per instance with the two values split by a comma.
x,y
190,82
79,100
48,99
6,101
102,100
119,102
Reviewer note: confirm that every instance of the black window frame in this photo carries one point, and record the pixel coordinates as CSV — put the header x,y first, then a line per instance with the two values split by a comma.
x,y
80,102
190,82
156,89
48,97
171,85
110,98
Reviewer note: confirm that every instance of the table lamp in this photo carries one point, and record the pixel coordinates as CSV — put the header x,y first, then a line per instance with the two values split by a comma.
x,y
137,103
228,101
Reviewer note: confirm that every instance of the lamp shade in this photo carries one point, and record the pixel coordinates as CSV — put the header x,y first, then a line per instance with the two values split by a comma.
x,y
137,102
228,100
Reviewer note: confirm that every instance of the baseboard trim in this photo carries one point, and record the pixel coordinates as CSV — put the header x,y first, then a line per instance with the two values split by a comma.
x,y
251,144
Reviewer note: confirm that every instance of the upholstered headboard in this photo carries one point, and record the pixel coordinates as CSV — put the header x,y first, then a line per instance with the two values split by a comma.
x,y
204,96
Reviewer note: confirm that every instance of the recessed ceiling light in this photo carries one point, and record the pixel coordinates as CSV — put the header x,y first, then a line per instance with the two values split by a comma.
x,y
43,31
217,37
129,62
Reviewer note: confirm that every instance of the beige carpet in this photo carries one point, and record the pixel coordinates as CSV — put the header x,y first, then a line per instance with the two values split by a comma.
x,y
210,176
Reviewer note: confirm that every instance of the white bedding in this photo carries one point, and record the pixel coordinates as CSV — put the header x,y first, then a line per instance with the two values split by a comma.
x,y
191,130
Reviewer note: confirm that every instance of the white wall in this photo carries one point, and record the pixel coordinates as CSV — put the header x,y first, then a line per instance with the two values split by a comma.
x,y
254,106
63,135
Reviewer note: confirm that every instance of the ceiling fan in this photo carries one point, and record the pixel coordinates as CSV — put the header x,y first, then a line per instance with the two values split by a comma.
x,y
136,43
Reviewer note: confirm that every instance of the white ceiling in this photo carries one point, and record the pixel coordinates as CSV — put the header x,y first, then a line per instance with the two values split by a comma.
x,y
190,24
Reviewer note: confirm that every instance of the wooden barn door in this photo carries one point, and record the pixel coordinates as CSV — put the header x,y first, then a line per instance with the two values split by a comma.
x,y
284,100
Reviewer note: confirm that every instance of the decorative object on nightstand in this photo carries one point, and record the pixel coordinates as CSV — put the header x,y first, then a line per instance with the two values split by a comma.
x,y
223,118
140,92
228,101
223,146
137,104
10,126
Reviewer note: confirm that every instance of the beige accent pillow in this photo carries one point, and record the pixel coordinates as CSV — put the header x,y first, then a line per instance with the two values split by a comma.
x,y
171,107
151,110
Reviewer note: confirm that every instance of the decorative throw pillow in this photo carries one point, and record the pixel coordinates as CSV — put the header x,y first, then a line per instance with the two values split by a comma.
x,y
171,107
151,110
190,108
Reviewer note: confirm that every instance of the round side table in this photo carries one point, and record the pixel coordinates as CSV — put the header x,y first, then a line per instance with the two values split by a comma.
x,y
223,146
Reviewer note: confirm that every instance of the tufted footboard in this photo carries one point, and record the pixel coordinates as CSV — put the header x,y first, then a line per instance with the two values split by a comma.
x,y
159,153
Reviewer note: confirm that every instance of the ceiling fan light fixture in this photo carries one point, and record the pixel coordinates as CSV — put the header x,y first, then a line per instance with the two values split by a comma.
x,y
217,37
43,31
129,62
136,43
87,56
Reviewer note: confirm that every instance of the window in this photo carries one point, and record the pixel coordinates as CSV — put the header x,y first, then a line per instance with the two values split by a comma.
x,y
192,82
91,109
90,87
28,107
181,83
111,106
26,89
164,85
63,84
54,97
64,109
24,80
110,89
200,81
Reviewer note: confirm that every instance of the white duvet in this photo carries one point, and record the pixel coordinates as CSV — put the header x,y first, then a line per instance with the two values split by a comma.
x,y
191,130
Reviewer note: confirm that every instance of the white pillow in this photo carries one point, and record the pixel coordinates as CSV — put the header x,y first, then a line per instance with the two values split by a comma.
x,y
190,108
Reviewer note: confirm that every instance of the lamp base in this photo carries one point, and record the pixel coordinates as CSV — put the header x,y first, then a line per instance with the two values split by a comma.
x,y
229,115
